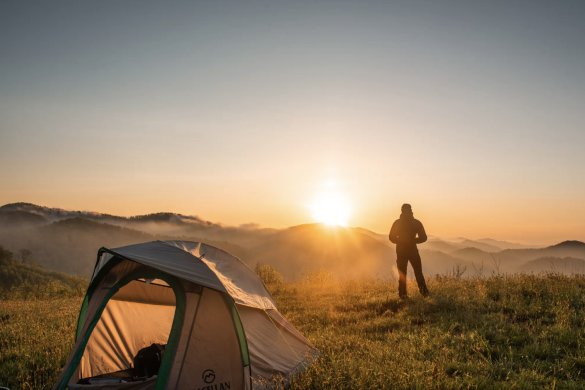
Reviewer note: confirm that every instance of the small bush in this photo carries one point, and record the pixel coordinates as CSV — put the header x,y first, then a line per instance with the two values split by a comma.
x,y
268,274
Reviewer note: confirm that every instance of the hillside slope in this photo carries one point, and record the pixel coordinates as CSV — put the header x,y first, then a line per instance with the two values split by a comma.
x,y
505,244
439,245
479,245
516,257
567,265
13,274
71,245
346,252
10,220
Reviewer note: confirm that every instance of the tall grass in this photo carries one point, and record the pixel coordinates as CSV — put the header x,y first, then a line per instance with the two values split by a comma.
x,y
36,337
502,332
518,332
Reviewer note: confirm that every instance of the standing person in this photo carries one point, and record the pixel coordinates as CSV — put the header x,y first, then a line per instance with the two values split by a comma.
x,y
406,232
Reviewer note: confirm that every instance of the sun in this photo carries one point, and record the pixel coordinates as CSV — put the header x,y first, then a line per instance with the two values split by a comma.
x,y
331,208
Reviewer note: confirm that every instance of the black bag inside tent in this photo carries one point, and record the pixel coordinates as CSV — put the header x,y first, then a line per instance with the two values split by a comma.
x,y
147,361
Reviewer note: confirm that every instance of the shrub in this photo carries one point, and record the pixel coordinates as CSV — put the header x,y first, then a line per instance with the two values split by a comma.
x,y
268,274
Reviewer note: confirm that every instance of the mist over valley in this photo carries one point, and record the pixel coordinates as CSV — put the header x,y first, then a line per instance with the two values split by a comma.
x,y
67,241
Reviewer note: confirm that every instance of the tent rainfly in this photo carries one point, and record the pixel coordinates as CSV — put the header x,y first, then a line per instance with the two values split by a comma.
x,y
217,322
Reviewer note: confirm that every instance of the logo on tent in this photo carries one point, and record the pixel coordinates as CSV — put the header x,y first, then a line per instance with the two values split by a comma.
x,y
208,376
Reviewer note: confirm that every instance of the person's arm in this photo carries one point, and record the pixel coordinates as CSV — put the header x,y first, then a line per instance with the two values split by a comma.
x,y
393,236
422,235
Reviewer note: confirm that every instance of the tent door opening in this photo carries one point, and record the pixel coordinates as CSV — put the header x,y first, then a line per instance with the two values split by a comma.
x,y
131,334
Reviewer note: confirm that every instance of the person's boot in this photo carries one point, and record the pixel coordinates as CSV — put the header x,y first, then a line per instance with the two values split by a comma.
x,y
402,291
424,290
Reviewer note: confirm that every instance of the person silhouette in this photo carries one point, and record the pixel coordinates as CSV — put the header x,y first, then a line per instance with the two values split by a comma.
x,y
406,232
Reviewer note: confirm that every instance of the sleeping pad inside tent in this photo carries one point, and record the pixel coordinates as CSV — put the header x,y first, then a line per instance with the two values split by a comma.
x,y
180,315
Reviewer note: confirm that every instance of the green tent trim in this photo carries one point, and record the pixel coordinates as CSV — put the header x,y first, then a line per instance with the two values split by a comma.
x,y
239,329
171,347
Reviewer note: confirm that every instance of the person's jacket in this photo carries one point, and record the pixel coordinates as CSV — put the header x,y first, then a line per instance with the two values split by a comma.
x,y
406,232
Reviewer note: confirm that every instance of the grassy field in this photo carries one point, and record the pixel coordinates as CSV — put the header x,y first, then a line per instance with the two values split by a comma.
x,y
36,337
521,332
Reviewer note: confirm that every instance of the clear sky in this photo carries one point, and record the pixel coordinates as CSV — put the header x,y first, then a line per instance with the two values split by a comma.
x,y
251,111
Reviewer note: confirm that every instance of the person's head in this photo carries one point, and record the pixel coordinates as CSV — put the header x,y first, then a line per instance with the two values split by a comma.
x,y
406,211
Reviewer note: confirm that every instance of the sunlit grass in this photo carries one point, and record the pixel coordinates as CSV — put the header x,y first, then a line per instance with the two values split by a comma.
x,y
35,340
516,332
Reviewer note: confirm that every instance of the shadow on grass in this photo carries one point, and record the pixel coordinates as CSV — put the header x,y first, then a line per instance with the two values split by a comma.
x,y
379,307
390,305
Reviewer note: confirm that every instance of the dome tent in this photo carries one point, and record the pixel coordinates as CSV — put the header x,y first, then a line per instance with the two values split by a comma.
x,y
219,323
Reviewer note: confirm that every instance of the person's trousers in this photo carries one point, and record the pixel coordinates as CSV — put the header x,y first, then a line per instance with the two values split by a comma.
x,y
415,262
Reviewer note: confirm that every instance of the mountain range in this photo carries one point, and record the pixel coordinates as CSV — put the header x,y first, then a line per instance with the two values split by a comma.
x,y
68,241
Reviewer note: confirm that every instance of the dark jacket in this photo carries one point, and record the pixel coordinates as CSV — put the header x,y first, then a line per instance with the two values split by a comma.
x,y
406,232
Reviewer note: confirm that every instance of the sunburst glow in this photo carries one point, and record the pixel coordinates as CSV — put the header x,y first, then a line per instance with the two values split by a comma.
x,y
331,208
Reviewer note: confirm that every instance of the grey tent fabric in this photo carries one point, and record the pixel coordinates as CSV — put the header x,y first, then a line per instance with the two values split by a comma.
x,y
237,278
218,348
172,260
202,264
228,333
276,348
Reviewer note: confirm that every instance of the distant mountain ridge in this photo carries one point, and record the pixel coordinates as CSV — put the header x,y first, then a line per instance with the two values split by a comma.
x,y
166,223
180,224
572,244
480,245
57,214
574,249
67,241
485,244
345,251
20,219
439,245
567,265
505,244
53,214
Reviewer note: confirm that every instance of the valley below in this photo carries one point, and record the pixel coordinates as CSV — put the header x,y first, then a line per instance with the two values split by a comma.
x,y
67,241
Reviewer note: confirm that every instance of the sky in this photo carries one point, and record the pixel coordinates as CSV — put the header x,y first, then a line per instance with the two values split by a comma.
x,y
256,111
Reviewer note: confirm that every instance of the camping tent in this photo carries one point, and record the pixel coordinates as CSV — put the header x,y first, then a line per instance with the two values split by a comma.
x,y
219,323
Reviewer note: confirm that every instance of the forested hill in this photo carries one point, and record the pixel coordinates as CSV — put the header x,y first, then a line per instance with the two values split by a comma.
x,y
14,273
